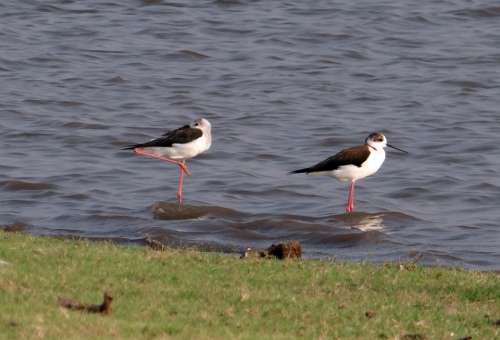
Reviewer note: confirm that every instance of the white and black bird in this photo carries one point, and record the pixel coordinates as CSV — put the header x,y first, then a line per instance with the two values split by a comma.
x,y
177,146
354,163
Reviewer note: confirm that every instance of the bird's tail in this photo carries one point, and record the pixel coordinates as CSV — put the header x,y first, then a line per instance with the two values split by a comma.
x,y
300,171
130,147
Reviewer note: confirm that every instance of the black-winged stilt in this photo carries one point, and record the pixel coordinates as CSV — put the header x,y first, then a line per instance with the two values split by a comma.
x,y
177,146
354,163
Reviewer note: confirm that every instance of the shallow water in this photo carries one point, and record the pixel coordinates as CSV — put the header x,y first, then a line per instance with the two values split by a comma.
x,y
285,84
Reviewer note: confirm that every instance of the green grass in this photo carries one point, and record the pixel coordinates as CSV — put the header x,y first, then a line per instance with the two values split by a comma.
x,y
188,294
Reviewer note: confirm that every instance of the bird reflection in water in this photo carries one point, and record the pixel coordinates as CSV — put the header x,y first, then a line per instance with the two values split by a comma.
x,y
362,221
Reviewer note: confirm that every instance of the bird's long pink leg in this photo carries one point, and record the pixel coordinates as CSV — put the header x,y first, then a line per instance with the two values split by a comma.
x,y
179,187
181,164
350,199
352,196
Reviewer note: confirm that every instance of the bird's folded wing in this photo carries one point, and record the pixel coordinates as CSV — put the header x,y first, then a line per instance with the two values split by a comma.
x,y
181,135
352,156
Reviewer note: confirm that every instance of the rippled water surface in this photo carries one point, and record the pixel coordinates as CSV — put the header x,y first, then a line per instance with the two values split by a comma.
x,y
285,84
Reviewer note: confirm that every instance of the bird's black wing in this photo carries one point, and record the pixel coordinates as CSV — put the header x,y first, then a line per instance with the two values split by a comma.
x,y
355,156
181,135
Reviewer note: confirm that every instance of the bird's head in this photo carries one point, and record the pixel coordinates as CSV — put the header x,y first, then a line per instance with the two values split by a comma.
x,y
201,123
377,141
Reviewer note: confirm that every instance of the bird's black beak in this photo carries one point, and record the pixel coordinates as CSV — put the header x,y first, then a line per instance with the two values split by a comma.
x,y
389,145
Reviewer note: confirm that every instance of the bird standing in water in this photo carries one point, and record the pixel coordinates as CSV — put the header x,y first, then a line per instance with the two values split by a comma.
x,y
177,146
354,163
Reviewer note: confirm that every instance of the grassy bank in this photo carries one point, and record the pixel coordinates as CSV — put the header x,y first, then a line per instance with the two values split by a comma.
x,y
187,294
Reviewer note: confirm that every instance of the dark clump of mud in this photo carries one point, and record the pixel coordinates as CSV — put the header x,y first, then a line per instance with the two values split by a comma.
x,y
14,227
282,251
103,308
286,250
17,185
172,211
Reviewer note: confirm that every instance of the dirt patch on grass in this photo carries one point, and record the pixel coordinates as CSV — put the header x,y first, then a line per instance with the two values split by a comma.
x,y
103,308
282,251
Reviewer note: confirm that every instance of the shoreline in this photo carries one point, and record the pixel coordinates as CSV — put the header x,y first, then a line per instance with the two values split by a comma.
x,y
235,250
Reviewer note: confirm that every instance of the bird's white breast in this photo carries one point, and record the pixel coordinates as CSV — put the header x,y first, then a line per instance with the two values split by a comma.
x,y
368,167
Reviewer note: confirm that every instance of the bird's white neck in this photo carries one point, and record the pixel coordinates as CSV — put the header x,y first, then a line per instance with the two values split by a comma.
x,y
208,136
376,147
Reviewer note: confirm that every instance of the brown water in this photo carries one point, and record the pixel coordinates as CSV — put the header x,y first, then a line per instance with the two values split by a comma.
x,y
285,84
